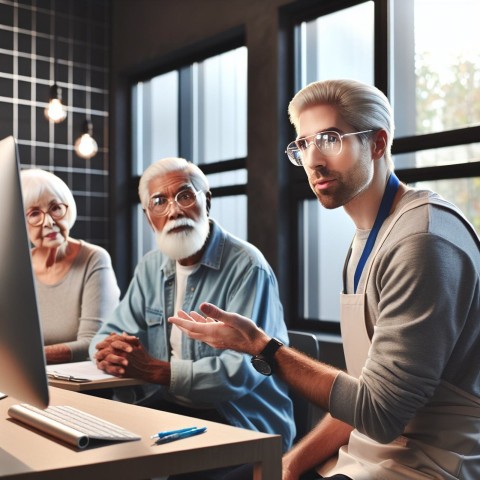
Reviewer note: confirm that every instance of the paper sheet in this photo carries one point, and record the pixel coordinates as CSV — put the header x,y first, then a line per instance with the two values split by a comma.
x,y
87,370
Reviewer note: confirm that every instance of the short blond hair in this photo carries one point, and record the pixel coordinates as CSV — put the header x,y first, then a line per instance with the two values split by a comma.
x,y
362,106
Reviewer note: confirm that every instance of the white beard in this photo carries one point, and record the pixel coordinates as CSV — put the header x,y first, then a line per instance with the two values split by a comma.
x,y
179,246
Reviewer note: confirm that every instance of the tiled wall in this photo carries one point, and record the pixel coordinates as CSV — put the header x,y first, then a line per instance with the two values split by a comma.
x,y
32,32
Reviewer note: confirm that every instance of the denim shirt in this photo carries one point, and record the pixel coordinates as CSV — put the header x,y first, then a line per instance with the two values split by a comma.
x,y
235,276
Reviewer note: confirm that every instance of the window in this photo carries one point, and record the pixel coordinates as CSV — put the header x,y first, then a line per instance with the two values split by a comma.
x,y
336,45
437,93
430,69
198,112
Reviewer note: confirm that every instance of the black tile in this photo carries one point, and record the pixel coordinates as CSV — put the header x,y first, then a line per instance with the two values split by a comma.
x,y
42,156
99,206
98,79
6,87
98,101
43,69
60,154
99,34
62,50
24,66
79,54
42,92
61,133
44,47
79,182
25,18
24,43
99,57
25,154
96,161
98,230
42,125
101,11
6,119
79,76
62,7
80,230
24,90
80,8
98,182
80,31
29,3
62,74
6,14
43,23
6,39
79,99
24,122
62,25
6,63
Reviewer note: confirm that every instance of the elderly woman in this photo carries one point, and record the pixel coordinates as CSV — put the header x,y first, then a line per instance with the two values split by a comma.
x,y
75,282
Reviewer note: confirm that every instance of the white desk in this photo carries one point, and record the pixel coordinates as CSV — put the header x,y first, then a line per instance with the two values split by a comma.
x,y
28,454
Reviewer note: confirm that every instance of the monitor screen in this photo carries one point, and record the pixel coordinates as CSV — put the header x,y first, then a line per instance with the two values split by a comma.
x,y
22,359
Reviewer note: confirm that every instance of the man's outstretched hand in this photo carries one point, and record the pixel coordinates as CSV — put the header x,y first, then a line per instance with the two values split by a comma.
x,y
221,329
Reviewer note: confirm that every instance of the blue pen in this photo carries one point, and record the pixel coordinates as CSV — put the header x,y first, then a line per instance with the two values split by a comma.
x,y
178,436
166,433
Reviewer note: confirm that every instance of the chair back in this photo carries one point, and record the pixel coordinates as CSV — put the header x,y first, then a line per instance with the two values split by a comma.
x,y
306,414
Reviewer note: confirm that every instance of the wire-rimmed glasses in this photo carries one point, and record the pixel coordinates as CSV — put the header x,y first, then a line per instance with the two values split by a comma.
x,y
328,143
160,204
36,216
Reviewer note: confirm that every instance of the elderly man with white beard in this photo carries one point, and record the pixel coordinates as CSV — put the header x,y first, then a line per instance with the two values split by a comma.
x,y
196,261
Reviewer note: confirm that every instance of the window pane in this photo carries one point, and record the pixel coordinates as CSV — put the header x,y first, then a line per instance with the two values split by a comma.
x,y
231,213
155,120
204,104
338,45
463,192
143,238
325,237
436,65
439,156
220,107
224,179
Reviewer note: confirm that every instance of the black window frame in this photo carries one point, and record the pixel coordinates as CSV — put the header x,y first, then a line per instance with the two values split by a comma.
x,y
182,62
297,189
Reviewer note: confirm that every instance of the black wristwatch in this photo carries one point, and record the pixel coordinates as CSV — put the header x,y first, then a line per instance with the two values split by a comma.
x,y
264,362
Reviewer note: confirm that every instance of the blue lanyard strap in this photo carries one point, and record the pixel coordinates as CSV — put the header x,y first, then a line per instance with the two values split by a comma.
x,y
383,212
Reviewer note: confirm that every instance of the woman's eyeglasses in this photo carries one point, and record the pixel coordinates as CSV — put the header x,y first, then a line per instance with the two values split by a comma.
x,y
36,216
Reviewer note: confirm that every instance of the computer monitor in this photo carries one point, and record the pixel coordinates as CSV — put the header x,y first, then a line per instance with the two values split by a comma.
x,y
22,359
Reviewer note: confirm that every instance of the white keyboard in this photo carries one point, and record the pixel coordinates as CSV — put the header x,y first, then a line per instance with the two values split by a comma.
x,y
70,425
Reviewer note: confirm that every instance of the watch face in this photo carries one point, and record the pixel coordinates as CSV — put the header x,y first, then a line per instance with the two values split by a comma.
x,y
261,366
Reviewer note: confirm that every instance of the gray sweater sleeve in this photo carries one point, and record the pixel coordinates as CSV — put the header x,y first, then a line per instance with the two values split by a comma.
x,y
73,310
425,326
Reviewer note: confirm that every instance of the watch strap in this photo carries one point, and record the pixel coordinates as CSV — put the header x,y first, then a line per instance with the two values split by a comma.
x,y
270,349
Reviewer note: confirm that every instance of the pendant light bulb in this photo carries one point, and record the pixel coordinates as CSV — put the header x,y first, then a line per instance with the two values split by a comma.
x,y
86,146
55,111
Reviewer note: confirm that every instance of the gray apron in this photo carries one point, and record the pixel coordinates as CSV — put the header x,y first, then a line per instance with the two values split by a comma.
x,y
451,420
